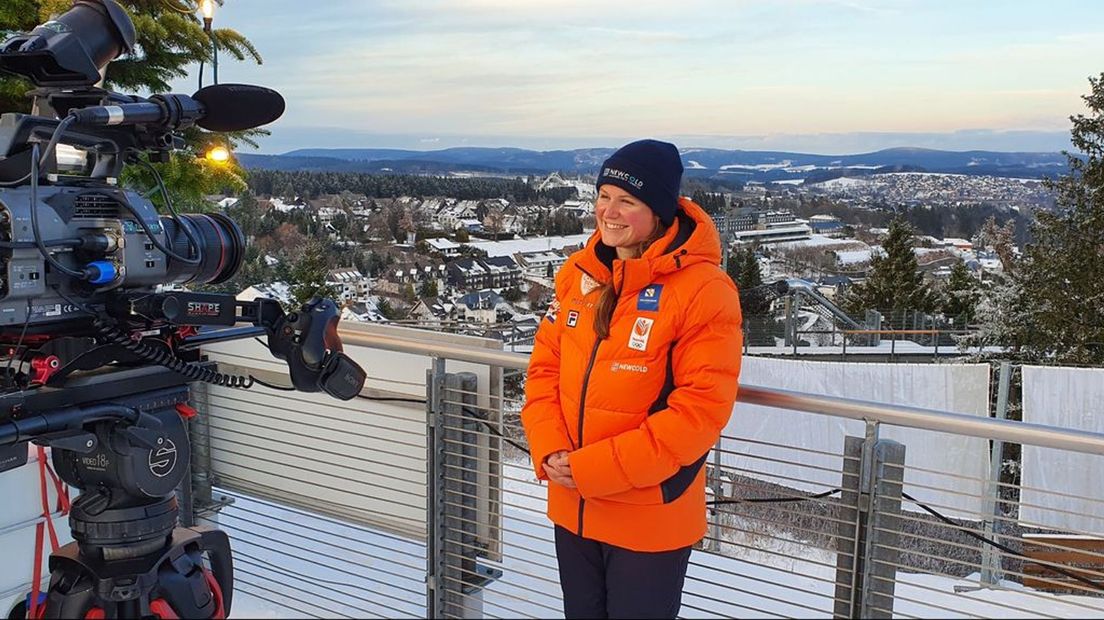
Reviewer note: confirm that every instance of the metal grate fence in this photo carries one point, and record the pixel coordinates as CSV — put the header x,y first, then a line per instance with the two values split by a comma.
x,y
405,506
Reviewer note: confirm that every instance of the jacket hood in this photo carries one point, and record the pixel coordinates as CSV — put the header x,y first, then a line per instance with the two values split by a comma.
x,y
692,238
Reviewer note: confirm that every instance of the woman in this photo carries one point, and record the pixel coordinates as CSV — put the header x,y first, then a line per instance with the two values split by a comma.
x,y
632,378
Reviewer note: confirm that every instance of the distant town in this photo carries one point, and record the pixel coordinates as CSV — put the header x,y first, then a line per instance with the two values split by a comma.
x,y
487,266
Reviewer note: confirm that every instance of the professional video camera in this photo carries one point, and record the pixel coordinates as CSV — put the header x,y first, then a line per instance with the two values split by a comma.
x,y
95,354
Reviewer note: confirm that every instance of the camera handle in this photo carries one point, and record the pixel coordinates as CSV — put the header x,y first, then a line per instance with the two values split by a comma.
x,y
306,339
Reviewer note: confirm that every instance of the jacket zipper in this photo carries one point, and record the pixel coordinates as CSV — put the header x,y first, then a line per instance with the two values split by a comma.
x,y
678,258
582,406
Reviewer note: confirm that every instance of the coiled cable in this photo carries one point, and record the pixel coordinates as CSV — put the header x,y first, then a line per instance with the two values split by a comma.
x,y
111,333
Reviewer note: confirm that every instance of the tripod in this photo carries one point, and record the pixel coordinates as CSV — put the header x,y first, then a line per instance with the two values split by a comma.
x,y
123,442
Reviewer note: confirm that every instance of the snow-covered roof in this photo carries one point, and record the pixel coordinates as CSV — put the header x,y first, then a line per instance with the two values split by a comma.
x,y
510,247
344,275
276,290
441,244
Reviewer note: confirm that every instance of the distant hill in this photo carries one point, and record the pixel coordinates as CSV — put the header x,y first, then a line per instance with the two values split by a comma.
x,y
733,165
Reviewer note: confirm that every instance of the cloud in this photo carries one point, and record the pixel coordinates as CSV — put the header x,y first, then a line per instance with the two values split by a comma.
x,y
624,68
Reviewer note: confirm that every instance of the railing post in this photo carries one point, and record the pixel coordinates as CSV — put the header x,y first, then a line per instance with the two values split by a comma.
x,y
991,571
799,301
717,486
873,321
435,500
789,333
455,580
867,536
199,434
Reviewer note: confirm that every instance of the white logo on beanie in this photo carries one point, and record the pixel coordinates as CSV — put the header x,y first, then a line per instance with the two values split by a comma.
x,y
621,175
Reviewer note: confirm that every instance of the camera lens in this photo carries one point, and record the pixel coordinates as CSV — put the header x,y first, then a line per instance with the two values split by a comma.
x,y
221,241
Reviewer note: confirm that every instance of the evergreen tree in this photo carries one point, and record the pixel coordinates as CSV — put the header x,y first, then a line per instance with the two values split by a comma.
x,y
170,40
743,268
895,283
308,275
959,297
389,311
1053,305
428,288
710,202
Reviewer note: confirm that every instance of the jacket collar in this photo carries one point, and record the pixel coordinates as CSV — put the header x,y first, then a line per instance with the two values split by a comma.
x,y
692,238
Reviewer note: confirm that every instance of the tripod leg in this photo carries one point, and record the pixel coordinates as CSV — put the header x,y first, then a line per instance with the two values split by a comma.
x,y
217,545
185,586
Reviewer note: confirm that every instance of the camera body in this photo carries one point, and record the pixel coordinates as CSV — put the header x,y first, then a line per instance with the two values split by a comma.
x,y
95,360
98,226
90,272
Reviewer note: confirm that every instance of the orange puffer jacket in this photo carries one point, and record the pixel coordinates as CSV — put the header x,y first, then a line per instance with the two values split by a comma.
x,y
639,411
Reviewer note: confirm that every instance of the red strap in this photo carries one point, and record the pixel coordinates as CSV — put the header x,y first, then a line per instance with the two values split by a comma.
x,y
32,607
216,591
45,498
161,609
44,469
62,489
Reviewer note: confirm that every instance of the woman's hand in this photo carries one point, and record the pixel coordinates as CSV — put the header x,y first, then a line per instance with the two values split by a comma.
x,y
558,469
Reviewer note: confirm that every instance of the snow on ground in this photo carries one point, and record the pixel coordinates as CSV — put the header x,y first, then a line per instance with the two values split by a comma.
x,y
854,257
291,563
759,167
842,183
819,241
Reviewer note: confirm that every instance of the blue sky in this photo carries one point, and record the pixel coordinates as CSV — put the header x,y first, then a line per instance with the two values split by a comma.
x,y
827,76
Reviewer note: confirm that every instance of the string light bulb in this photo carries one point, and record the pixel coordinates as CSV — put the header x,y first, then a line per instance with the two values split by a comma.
x,y
218,154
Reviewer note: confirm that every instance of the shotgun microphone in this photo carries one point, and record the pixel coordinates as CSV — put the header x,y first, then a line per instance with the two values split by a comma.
x,y
221,107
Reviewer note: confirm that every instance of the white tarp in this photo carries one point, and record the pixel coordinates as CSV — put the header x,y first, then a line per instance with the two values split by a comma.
x,y
1063,490
804,450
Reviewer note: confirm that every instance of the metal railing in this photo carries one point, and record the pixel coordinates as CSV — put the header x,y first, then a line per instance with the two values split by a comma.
x,y
431,509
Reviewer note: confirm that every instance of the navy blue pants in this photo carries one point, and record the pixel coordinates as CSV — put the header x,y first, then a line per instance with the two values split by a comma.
x,y
605,581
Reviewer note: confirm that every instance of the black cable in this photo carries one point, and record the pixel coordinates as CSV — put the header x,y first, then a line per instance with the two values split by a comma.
x,y
393,399
773,500
494,431
175,216
288,388
996,544
79,305
111,333
34,222
19,343
272,386
71,242
54,139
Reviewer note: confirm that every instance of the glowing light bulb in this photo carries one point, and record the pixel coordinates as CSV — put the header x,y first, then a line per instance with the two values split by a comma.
x,y
219,154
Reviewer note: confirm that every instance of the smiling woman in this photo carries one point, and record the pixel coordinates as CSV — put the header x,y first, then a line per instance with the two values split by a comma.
x,y
625,222
625,397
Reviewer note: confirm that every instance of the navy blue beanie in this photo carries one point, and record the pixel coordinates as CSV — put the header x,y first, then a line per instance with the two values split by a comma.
x,y
651,171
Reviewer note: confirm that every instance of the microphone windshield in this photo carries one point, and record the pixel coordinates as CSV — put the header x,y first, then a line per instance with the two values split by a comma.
x,y
234,107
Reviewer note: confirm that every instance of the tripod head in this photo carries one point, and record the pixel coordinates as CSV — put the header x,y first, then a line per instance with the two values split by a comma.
x,y
123,442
